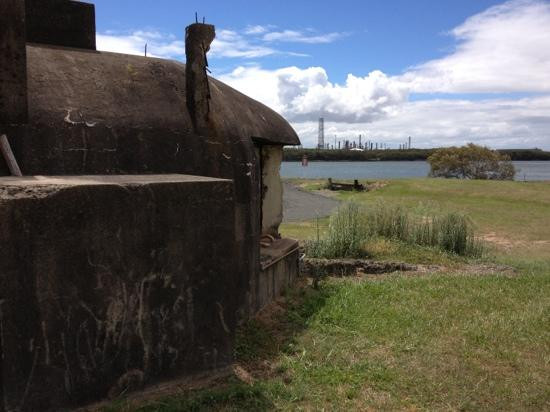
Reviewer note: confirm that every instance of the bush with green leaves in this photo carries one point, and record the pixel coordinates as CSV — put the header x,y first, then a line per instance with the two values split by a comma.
x,y
471,162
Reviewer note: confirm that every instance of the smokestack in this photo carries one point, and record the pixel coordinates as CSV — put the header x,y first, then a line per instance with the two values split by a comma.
x,y
321,135
198,38
13,63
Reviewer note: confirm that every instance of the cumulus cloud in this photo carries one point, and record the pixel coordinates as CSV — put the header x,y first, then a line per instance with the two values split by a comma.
x,y
377,107
504,49
306,94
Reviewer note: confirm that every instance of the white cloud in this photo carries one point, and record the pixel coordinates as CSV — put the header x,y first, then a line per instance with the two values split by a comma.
x,y
377,107
253,81
504,49
295,36
306,94
158,44
256,41
257,29
229,43
251,43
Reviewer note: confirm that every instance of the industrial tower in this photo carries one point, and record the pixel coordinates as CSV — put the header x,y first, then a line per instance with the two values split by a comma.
x,y
321,139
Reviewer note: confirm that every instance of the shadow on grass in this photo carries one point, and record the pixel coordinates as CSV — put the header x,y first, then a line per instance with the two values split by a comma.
x,y
275,329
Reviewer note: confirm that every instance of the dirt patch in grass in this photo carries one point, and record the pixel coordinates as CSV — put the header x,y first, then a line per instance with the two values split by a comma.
x,y
376,185
510,246
499,241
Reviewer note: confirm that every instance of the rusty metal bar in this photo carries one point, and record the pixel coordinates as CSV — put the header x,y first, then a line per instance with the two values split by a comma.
x,y
5,148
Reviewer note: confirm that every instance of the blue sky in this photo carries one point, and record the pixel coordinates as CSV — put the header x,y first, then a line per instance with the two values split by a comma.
x,y
445,72
384,35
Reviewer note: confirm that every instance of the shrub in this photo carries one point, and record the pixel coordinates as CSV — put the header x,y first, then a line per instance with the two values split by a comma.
x,y
471,162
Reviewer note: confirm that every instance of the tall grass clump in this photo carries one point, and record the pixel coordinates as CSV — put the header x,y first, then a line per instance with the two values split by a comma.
x,y
388,221
352,226
346,235
451,232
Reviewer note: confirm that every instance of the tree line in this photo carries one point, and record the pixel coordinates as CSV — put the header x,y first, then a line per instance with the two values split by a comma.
x,y
293,154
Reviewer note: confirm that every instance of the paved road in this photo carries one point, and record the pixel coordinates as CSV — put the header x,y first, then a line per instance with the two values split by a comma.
x,y
299,204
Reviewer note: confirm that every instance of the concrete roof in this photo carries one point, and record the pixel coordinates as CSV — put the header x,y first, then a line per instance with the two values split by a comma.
x,y
78,86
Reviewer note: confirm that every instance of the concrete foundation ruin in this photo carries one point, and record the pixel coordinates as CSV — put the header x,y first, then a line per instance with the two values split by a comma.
x,y
155,230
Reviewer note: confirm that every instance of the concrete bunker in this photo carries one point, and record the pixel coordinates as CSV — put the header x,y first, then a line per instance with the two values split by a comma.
x,y
156,204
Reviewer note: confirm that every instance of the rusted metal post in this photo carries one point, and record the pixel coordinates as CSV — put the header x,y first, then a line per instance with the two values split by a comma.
x,y
198,38
7,153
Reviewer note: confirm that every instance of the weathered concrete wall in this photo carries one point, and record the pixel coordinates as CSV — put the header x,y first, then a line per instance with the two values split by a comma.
x,y
272,189
109,282
13,63
61,23
107,113
104,113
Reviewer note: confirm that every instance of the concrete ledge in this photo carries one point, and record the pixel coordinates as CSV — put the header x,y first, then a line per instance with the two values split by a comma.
x,y
279,274
28,181
110,282
318,268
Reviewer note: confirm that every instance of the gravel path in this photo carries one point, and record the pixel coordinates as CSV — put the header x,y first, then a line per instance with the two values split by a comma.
x,y
300,205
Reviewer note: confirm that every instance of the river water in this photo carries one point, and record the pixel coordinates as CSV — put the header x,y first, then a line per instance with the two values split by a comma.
x,y
526,170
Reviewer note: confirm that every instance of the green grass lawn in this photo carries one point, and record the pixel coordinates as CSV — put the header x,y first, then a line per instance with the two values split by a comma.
x,y
449,340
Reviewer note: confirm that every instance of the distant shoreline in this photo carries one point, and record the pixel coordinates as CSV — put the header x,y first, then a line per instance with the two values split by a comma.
x,y
291,154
